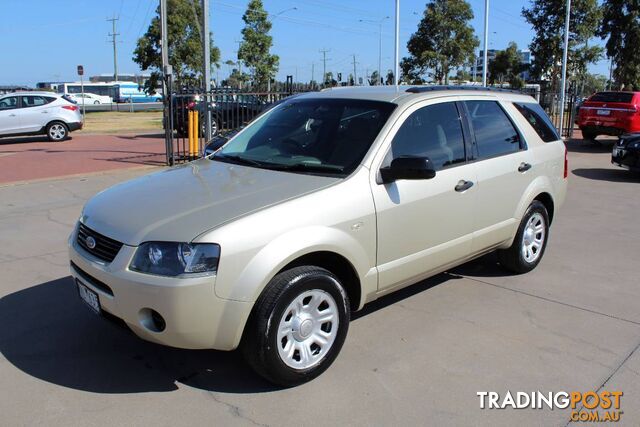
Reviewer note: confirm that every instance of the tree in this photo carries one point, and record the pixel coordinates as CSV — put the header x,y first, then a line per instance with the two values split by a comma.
x,y
506,66
444,40
236,79
185,45
256,43
547,19
620,23
592,83
374,79
462,76
329,80
389,79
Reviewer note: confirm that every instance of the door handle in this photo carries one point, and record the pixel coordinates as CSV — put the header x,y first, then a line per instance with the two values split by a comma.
x,y
44,112
12,115
524,167
463,186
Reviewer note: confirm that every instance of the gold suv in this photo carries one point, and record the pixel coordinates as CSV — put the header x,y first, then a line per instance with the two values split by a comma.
x,y
322,204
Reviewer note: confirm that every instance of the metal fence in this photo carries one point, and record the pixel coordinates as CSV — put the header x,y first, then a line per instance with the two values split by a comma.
x,y
550,101
229,110
185,115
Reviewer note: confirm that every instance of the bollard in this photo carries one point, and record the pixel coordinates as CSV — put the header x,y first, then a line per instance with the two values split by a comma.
x,y
196,136
191,115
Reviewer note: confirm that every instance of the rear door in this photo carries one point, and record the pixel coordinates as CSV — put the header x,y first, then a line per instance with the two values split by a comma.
x,y
35,112
9,115
505,168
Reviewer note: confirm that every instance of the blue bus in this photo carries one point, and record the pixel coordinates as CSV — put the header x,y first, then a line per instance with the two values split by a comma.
x,y
117,91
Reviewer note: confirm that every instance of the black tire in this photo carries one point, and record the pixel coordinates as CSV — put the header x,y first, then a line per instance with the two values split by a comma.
x,y
260,342
57,131
96,102
513,259
215,126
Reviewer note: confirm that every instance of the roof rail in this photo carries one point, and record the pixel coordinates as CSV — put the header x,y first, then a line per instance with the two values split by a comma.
x,y
435,88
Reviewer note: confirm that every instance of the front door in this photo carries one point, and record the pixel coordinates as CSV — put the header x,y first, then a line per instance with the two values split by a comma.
x,y
425,225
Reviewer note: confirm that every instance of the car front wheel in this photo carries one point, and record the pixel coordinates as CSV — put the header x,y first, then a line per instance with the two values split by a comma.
x,y
298,326
530,242
57,131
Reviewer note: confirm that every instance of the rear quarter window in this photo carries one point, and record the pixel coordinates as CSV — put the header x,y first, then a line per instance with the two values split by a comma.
x,y
538,120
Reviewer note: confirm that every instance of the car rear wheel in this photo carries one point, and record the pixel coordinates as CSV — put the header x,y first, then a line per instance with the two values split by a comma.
x,y
298,326
57,131
96,102
528,247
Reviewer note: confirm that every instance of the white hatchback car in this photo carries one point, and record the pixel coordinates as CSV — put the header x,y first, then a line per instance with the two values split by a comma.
x,y
319,206
38,113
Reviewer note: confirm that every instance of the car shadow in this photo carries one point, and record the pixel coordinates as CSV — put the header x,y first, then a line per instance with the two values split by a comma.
x,y
25,139
584,146
611,175
46,332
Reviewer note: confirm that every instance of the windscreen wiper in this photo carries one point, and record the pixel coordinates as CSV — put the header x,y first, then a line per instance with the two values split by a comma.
x,y
309,167
232,158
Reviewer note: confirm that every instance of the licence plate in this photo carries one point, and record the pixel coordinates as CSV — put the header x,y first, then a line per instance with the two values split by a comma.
x,y
603,112
89,297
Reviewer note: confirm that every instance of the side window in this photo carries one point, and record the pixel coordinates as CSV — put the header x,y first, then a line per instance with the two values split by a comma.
x,y
33,101
9,103
538,119
434,131
494,132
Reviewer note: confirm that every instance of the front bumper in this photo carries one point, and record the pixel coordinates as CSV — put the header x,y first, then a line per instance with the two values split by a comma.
x,y
195,317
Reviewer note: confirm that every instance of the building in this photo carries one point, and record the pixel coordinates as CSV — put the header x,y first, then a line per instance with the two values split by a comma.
x,y
13,88
53,86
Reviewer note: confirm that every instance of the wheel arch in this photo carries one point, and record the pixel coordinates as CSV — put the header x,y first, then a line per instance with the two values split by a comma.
x,y
547,200
336,264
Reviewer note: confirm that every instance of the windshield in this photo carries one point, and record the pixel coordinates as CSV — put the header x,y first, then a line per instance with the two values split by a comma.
x,y
317,136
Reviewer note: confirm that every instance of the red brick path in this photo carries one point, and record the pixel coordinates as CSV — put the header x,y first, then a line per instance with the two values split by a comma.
x,y
30,158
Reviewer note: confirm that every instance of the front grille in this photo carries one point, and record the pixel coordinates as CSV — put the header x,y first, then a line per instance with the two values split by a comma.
x,y
105,249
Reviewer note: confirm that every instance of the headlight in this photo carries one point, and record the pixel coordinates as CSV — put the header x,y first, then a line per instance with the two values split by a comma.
x,y
175,259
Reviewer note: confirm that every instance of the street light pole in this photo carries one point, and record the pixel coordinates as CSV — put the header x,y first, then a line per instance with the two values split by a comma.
x,y
396,56
379,22
564,63
486,43
207,68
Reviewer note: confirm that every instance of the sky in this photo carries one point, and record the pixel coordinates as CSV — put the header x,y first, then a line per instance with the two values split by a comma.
x,y
46,39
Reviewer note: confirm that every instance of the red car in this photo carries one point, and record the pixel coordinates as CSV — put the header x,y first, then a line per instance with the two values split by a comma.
x,y
609,113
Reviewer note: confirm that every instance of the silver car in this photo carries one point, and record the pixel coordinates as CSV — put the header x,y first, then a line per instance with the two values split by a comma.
x,y
321,205
38,113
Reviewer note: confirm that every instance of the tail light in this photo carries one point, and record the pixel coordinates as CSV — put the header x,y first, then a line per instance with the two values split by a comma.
x,y
566,163
70,107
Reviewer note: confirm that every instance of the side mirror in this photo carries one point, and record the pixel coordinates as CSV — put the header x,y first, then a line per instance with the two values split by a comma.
x,y
408,168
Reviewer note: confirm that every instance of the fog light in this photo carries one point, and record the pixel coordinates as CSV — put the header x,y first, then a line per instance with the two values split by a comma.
x,y
152,320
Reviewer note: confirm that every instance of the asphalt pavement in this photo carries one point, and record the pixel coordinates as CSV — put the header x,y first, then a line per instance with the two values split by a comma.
x,y
418,356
